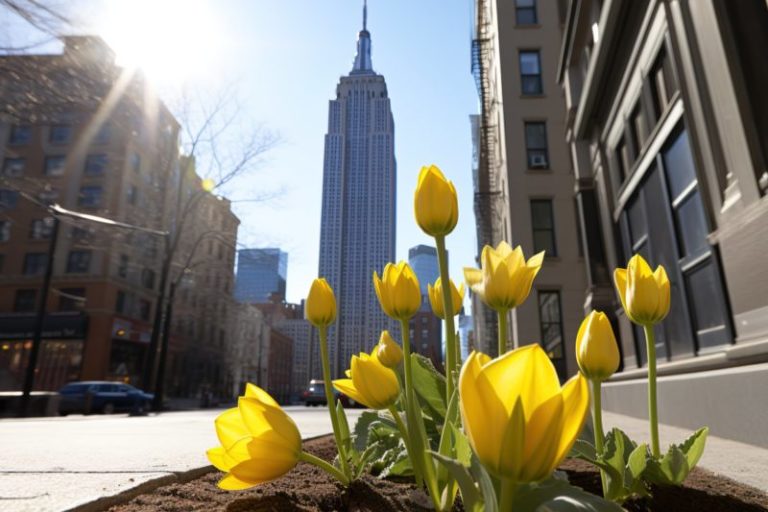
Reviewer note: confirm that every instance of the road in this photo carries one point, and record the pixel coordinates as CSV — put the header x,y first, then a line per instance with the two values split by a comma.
x,y
54,464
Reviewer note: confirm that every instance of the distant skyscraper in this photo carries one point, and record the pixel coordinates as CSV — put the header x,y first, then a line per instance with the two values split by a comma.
x,y
426,328
357,232
260,273
423,260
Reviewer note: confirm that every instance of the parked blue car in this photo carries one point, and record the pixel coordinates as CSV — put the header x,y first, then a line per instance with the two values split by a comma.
x,y
88,397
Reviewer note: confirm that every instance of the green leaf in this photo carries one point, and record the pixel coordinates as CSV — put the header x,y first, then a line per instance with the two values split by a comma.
x,y
637,461
401,466
485,483
693,447
583,450
429,384
362,429
555,495
470,494
671,469
346,439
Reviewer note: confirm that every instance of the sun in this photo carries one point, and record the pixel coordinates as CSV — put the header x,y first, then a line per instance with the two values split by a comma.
x,y
171,41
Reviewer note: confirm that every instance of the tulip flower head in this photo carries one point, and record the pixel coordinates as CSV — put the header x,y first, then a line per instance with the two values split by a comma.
x,y
436,297
644,293
520,422
370,382
398,291
259,442
435,202
596,349
505,279
388,351
320,308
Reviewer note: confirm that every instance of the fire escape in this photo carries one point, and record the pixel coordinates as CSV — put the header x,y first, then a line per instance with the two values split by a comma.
x,y
487,193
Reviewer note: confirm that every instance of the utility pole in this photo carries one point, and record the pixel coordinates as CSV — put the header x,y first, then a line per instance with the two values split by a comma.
x,y
37,338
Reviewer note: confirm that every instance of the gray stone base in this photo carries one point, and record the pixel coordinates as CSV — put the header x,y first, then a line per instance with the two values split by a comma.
x,y
733,402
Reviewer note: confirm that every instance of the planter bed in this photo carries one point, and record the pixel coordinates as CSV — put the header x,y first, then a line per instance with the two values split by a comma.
x,y
307,489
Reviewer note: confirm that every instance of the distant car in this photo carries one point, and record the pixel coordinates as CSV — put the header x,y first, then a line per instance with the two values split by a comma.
x,y
102,396
315,395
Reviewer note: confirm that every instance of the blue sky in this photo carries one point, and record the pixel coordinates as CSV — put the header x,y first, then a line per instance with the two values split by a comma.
x,y
284,59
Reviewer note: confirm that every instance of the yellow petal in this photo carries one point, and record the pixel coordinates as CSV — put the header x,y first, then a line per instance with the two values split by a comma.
x,y
217,457
542,439
253,391
231,483
575,406
620,278
662,284
230,427
510,453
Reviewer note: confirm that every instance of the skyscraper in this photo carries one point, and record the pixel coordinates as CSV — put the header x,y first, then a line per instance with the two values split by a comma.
x,y
260,273
426,328
423,260
357,232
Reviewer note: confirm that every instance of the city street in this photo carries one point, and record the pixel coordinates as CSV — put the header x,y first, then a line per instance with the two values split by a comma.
x,y
52,464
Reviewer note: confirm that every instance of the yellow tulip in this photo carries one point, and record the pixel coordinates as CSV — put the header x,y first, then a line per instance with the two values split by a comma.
x,y
505,279
644,293
320,308
596,349
519,421
370,382
388,351
398,291
259,442
436,297
435,202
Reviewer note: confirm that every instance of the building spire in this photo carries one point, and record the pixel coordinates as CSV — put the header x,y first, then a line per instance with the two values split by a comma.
x,y
363,64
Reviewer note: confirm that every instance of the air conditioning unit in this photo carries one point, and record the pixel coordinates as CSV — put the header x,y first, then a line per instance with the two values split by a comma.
x,y
539,162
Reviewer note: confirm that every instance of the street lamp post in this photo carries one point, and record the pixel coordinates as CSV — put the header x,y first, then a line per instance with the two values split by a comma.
x,y
157,401
37,337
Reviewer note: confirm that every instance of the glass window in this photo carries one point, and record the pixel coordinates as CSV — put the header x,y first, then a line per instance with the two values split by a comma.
x,y
78,262
122,269
60,134
13,167
543,222
90,196
525,12
639,127
8,199
120,301
71,299
54,165
40,229
95,165
26,301
551,323
536,145
144,309
135,162
663,84
530,72
5,230
34,263
20,134
678,163
104,134
148,278
133,194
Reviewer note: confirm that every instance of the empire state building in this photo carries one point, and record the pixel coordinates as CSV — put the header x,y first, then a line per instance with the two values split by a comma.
x,y
357,233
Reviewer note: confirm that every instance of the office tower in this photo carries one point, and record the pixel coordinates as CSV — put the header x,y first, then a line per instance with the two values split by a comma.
x,y
260,273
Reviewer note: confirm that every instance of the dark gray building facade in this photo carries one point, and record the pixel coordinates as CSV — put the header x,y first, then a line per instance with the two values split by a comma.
x,y
667,121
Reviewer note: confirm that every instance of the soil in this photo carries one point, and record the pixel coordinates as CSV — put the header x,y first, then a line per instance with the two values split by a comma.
x,y
308,489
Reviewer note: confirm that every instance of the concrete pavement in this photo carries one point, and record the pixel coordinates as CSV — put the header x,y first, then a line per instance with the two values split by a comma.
x,y
83,462
54,464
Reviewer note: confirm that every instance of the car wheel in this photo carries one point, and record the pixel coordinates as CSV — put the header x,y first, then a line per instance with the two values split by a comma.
x,y
108,408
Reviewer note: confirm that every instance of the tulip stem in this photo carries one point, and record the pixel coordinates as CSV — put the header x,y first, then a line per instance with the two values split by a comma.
x,y
502,332
507,494
331,402
597,420
325,466
653,414
409,398
452,360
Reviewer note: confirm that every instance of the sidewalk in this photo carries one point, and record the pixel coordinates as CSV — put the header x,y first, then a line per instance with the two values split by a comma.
x,y
55,464
741,462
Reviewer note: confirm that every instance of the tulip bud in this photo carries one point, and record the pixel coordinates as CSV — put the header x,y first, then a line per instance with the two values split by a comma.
x,y
436,298
643,293
388,351
398,291
435,202
596,349
320,307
